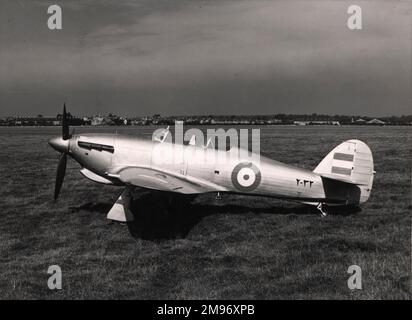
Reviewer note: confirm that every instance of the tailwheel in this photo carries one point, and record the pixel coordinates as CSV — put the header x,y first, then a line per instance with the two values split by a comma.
x,y
321,208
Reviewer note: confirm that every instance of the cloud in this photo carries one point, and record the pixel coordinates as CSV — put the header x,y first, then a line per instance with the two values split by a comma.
x,y
201,52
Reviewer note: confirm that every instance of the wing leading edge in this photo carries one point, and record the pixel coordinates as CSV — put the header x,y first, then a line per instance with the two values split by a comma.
x,y
159,179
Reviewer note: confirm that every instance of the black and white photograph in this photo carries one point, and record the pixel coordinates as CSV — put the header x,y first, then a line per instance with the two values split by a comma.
x,y
205,150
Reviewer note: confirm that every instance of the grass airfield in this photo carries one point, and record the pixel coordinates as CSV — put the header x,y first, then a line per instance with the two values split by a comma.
x,y
235,248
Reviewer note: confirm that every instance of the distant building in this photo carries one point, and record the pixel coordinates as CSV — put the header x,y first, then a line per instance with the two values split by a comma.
x,y
300,123
304,123
97,121
360,121
376,122
274,121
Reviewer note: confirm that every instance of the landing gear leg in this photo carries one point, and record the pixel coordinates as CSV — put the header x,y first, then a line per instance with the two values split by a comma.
x,y
321,209
218,196
121,209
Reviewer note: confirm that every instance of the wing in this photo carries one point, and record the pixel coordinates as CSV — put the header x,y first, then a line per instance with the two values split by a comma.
x,y
158,179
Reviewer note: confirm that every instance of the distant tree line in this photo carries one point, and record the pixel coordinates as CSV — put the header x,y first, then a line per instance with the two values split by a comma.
x,y
157,119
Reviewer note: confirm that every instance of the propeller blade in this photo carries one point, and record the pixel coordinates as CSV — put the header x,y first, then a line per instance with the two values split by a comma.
x,y
65,125
61,170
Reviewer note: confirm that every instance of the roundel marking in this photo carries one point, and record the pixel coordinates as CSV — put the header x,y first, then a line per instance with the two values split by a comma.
x,y
246,177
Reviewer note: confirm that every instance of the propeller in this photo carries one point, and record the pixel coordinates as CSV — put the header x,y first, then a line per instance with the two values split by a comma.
x,y
65,125
61,145
61,170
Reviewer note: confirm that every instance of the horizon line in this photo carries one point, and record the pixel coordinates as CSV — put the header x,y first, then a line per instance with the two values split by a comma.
x,y
212,115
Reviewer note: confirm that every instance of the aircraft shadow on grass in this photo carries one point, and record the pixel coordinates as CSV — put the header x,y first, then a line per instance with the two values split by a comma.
x,y
160,218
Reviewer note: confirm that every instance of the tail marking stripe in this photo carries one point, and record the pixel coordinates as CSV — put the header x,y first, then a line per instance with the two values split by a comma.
x,y
340,170
343,156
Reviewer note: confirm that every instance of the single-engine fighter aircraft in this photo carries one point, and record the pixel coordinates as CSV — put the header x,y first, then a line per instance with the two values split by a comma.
x,y
343,178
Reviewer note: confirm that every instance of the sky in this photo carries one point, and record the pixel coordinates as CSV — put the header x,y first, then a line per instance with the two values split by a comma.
x,y
177,57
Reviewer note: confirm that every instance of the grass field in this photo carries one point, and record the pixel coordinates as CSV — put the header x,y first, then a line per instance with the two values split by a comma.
x,y
238,247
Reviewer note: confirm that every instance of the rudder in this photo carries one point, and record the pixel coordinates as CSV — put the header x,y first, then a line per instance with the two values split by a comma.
x,y
350,162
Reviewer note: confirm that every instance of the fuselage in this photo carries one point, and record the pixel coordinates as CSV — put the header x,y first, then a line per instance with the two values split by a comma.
x,y
105,154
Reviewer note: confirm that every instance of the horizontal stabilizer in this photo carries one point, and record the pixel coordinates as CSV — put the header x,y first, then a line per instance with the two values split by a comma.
x,y
338,178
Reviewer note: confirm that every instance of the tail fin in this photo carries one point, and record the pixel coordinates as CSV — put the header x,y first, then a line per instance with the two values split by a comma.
x,y
350,162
